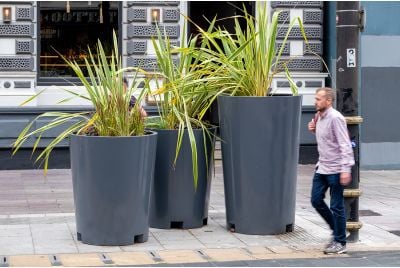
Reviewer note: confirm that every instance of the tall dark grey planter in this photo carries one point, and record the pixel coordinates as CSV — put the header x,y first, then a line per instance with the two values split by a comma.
x,y
175,203
260,149
111,182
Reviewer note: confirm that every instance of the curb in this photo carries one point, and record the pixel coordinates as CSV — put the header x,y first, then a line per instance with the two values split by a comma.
x,y
160,257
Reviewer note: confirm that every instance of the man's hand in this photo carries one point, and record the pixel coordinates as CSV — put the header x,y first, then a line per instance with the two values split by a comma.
x,y
311,125
345,178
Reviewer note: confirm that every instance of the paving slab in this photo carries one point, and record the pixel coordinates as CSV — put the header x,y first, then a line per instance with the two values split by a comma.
x,y
132,258
16,245
232,254
181,256
186,244
75,260
84,248
40,220
29,261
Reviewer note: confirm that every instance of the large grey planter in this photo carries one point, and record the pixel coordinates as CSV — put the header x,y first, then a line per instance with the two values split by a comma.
x,y
111,182
260,149
175,203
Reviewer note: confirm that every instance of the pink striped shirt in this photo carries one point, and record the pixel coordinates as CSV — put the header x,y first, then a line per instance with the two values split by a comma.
x,y
334,146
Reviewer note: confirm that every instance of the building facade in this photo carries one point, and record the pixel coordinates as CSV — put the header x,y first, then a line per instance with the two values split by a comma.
x,y
380,68
34,34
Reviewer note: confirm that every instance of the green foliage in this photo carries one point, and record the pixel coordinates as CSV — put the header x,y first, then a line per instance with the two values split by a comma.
x,y
247,60
185,93
104,87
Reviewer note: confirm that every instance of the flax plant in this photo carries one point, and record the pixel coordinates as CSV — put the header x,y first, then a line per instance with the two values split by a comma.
x,y
248,59
104,87
184,95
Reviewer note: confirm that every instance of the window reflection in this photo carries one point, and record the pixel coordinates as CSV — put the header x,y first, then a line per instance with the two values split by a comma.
x,y
70,33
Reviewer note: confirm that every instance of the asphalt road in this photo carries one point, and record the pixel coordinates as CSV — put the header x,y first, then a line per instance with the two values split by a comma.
x,y
352,259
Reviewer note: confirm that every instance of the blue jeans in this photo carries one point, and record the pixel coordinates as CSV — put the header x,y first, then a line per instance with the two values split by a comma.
x,y
335,216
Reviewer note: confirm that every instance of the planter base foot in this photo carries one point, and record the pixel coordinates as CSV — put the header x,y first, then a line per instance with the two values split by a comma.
x,y
231,227
176,224
289,228
141,238
179,224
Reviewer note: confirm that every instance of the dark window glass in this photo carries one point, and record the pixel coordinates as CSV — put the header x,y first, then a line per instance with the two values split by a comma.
x,y
70,28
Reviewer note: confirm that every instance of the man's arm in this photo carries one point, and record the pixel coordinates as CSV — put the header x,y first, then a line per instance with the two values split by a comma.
x,y
346,152
313,123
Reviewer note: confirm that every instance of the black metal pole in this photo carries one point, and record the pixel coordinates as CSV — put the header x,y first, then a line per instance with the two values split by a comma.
x,y
347,69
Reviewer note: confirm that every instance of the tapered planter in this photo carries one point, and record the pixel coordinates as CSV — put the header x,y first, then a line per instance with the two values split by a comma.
x,y
175,202
111,182
260,149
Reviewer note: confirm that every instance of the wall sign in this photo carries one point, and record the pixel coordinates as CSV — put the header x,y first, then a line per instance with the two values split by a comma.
x,y
351,58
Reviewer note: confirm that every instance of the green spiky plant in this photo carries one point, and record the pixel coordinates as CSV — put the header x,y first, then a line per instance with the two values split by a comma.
x,y
247,60
216,62
105,90
185,94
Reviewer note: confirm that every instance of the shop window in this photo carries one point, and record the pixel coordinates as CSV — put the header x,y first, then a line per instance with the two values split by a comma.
x,y
69,28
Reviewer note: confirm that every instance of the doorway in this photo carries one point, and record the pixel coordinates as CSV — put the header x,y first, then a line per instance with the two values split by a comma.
x,y
200,12
69,29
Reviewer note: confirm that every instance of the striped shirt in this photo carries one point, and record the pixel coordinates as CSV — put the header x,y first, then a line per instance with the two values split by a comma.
x,y
334,146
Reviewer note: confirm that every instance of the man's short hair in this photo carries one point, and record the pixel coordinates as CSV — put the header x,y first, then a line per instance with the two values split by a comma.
x,y
329,93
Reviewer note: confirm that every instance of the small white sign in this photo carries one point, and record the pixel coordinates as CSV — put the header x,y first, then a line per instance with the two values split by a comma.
x,y
351,58
296,48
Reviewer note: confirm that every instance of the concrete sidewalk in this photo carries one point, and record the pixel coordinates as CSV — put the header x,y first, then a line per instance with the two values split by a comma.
x,y
37,226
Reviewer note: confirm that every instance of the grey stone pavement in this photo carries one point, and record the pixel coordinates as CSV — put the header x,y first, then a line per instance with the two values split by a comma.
x,y
37,217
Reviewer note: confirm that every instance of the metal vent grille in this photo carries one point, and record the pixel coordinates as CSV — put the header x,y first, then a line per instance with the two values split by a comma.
x,y
16,30
296,4
23,47
148,31
315,47
136,47
312,16
153,3
16,64
148,64
301,64
286,49
284,16
135,14
312,32
24,13
309,16
170,15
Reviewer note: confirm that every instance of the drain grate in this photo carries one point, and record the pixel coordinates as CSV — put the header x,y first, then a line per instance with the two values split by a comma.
x,y
395,232
368,212
55,261
4,261
105,258
301,236
154,255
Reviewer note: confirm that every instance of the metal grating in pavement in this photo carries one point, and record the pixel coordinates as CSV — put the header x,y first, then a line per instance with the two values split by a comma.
x,y
301,237
368,212
3,261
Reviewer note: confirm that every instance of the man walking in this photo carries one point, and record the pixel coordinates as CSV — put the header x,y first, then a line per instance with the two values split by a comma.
x,y
333,169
